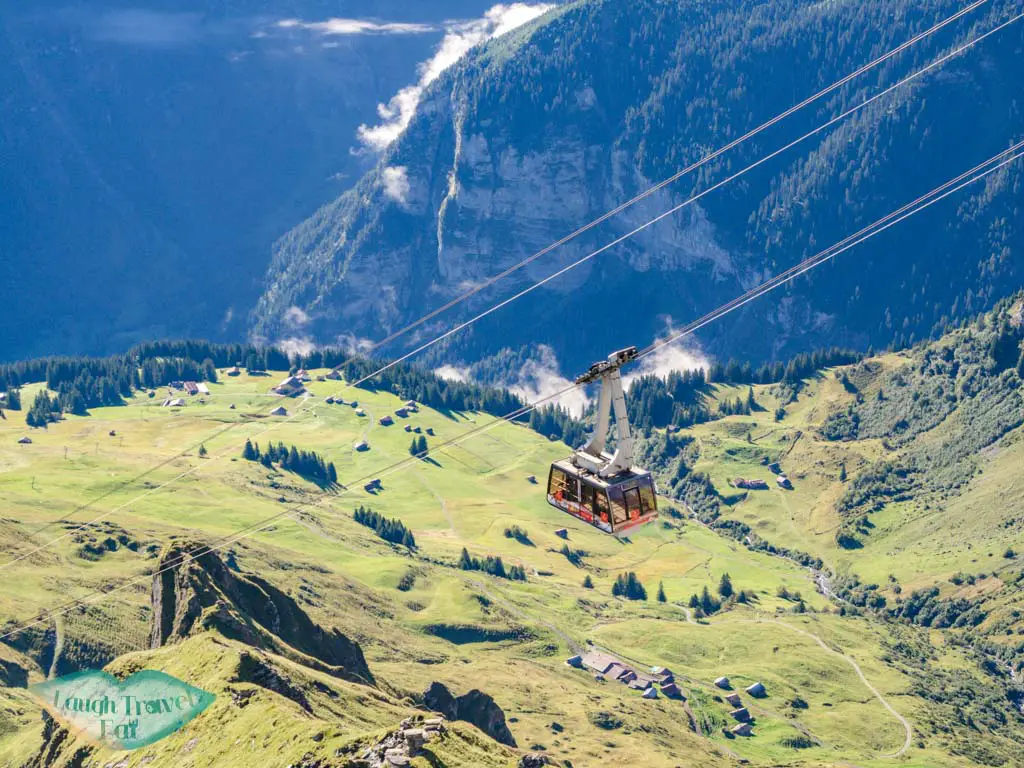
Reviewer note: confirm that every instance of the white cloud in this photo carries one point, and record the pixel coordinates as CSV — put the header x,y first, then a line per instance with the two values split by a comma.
x,y
396,183
452,373
295,317
296,346
541,378
682,355
459,39
356,27
355,345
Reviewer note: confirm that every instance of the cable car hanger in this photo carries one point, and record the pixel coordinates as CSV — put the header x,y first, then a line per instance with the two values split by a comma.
x,y
598,487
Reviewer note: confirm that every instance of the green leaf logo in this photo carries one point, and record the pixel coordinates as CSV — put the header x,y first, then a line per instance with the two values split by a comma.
x,y
143,709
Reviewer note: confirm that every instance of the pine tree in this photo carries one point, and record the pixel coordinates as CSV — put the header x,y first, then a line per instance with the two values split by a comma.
x,y
661,593
413,447
408,540
465,561
1020,369
202,451
332,474
14,398
725,586
842,472
588,583
708,604
209,370
694,601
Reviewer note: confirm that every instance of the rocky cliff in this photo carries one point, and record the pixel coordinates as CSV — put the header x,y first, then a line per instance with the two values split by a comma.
x,y
198,592
475,707
546,128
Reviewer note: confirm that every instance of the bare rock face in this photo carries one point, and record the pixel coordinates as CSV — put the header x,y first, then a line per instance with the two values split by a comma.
x,y
57,747
13,675
199,592
475,707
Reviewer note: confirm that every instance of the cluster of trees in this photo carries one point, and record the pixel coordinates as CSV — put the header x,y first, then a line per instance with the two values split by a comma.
x,y
411,383
160,371
13,399
418,446
705,604
925,608
492,565
519,534
574,556
308,464
44,410
392,530
557,423
797,369
255,358
737,406
676,400
627,585
81,383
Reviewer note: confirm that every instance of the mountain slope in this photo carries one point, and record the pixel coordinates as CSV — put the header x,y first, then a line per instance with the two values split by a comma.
x,y
160,148
546,128
418,616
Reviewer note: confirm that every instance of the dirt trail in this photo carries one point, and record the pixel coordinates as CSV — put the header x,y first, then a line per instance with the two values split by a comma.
x,y
908,730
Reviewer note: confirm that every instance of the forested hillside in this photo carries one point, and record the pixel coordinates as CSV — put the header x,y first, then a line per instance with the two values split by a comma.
x,y
153,151
546,128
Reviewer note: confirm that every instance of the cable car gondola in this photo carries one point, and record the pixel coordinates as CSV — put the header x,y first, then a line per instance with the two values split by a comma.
x,y
600,488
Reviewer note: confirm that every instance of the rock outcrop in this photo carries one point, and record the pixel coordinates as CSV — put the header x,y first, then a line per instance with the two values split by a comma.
x,y
397,749
12,674
475,707
199,592
58,747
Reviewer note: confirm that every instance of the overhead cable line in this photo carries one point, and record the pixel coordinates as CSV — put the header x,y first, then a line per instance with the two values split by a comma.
x,y
979,172
529,289
525,262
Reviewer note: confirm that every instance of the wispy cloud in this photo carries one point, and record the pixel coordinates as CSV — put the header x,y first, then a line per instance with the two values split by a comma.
x,y
295,317
356,27
460,38
296,346
683,355
395,181
452,373
541,378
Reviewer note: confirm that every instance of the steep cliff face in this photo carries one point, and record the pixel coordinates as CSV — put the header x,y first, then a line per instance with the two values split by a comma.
x,y
474,707
198,592
546,128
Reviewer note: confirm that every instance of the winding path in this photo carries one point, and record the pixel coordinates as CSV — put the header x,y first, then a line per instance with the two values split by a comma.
x,y
908,730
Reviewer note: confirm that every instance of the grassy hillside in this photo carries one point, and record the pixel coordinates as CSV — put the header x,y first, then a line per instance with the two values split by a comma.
x,y
420,618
